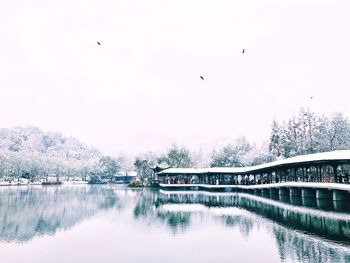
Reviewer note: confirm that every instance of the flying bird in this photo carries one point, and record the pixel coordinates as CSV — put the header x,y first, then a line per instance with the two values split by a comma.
x,y
201,77
243,50
98,43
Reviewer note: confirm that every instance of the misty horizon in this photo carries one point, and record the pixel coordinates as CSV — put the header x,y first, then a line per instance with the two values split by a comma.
x,y
140,89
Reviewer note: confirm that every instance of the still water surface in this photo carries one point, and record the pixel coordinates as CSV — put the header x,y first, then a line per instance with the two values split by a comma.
x,y
116,224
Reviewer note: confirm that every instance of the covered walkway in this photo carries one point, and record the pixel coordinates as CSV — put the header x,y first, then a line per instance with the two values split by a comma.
x,y
327,167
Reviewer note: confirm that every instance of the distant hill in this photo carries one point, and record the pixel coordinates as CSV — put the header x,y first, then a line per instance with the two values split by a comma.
x,y
29,152
34,140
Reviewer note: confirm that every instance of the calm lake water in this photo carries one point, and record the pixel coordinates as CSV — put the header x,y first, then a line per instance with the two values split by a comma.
x,y
116,224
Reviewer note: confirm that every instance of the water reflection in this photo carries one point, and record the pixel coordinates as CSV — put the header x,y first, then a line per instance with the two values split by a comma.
x,y
26,212
320,236
302,248
329,225
147,208
303,233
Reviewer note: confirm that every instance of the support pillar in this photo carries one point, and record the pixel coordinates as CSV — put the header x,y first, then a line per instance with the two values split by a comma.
x,y
325,204
283,191
288,175
309,201
274,191
339,195
335,173
295,174
265,191
296,200
285,176
340,206
257,191
308,192
323,194
295,192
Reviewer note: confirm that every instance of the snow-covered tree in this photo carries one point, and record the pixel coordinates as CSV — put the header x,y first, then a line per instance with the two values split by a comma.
x,y
258,155
309,133
275,139
177,157
231,155
228,156
338,132
29,152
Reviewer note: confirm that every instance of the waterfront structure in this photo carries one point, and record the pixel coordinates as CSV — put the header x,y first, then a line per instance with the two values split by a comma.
x,y
321,175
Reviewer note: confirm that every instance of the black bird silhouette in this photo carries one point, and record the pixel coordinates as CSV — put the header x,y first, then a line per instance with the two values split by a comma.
x,y
98,43
311,97
202,77
243,50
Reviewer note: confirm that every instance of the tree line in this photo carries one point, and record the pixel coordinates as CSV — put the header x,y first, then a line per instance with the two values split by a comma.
x,y
309,133
304,133
35,155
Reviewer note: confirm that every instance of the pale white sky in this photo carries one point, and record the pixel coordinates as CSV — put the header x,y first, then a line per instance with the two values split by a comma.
x,y
140,90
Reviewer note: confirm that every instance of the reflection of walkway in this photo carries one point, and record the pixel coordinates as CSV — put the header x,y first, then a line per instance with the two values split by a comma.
x,y
332,191
303,205
301,234
330,225
301,247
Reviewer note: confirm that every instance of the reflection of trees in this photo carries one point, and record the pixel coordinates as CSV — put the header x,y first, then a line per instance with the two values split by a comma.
x,y
146,209
176,221
149,209
29,211
244,224
146,199
293,245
